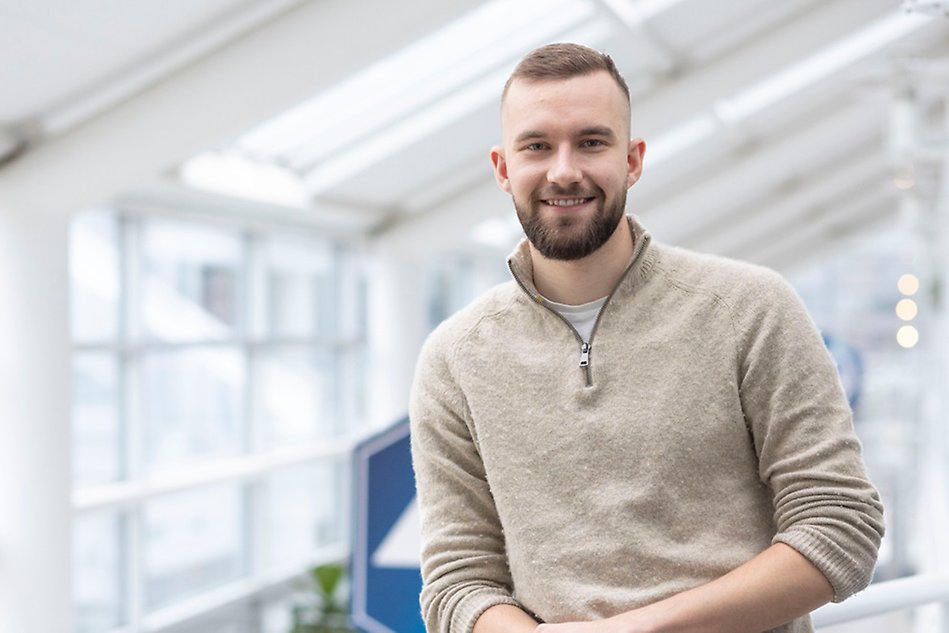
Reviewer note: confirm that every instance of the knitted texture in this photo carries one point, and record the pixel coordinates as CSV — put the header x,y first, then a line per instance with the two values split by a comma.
x,y
709,424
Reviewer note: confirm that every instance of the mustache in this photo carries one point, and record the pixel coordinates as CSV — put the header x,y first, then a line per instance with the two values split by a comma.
x,y
575,191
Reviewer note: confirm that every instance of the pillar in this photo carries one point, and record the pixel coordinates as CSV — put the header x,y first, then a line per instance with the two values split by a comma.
x,y
35,513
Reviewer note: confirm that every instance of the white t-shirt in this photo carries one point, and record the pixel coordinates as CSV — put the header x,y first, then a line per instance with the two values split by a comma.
x,y
582,317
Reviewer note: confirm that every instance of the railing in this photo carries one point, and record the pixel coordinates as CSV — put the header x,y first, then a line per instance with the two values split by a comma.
x,y
885,597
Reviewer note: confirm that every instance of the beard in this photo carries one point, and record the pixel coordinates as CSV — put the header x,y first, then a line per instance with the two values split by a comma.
x,y
566,237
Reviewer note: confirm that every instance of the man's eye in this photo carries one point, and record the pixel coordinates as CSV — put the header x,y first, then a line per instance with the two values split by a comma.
x,y
535,147
592,142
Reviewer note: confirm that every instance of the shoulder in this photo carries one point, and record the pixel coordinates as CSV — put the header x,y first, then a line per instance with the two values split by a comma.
x,y
734,283
754,299
454,331
437,370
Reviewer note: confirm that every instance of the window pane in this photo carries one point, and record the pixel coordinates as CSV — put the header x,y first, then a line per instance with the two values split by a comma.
x,y
193,541
304,511
300,282
352,379
94,277
353,291
451,285
191,281
295,396
240,618
192,406
97,570
95,418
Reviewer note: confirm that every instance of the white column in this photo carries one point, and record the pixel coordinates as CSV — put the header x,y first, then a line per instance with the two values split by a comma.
x,y
940,437
397,328
35,564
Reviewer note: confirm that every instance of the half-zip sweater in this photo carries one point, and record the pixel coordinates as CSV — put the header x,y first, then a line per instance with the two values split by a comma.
x,y
704,422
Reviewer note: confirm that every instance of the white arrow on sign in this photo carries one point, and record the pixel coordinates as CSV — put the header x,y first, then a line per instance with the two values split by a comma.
x,y
400,549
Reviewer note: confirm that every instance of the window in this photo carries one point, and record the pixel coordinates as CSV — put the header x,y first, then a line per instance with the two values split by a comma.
x,y
217,394
853,294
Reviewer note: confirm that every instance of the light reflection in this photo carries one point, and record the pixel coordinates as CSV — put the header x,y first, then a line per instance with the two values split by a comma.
x,y
907,336
908,284
906,309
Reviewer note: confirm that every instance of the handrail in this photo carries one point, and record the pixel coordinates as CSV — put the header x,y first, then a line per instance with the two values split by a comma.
x,y
884,597
244,467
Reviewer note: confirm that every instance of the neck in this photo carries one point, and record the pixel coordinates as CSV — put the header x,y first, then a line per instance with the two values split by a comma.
x,y
587,279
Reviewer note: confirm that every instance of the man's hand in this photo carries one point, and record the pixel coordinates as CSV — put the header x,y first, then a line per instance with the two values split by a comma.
x,y
772,588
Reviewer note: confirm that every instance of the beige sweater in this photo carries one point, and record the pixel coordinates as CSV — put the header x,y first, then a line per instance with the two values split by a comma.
x,y
709,423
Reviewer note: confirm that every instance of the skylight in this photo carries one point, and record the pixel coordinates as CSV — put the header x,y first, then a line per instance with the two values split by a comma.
x,y
784,83
402,97
409,81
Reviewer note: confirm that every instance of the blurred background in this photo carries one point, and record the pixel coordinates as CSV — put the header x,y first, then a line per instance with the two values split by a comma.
x,y
226,227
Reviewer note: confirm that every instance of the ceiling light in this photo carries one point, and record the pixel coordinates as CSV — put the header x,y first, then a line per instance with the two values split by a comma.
x,y
234,175
906,309
907,336
908,284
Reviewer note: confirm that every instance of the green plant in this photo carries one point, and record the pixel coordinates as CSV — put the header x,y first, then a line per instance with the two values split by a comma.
x,y
321,609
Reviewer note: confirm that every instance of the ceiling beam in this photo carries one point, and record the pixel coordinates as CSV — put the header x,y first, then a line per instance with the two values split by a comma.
x,y
696,91
173,199
102,96
214,99
719,180
634,25
780,210
859,213
871,218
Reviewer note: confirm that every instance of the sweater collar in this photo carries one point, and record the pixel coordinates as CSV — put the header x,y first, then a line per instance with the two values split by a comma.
x,y
522,267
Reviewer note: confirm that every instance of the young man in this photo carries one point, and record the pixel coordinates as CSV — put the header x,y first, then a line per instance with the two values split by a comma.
x,y
628,437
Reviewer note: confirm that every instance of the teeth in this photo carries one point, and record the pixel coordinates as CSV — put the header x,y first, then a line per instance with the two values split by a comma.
x,y
566,203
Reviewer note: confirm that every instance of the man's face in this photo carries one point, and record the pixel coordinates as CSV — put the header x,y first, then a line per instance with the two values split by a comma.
x,y
567,161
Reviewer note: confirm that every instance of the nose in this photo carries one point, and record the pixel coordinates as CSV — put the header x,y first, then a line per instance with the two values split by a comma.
x,y
564,170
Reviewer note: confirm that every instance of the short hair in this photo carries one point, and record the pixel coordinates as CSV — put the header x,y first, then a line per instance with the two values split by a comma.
x,y
563,61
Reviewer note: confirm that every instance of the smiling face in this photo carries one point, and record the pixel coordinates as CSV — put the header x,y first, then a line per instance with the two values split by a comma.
x,y
567,161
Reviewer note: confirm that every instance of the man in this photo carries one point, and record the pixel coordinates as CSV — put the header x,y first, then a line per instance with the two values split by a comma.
x,y
628,437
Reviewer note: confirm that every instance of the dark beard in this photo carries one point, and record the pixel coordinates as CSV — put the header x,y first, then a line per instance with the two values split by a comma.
x,y
562,239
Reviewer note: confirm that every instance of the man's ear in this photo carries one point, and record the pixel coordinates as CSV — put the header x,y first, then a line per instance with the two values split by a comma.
x,y
634,161
500,168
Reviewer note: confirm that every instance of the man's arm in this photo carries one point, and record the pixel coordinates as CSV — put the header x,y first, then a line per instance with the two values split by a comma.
x,y
464,561
505,618
773,588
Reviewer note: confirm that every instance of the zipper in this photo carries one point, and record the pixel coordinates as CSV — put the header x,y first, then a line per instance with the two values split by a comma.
x,y
585,354
585,346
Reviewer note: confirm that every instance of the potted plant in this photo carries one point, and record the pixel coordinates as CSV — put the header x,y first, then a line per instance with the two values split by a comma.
x,y
322,610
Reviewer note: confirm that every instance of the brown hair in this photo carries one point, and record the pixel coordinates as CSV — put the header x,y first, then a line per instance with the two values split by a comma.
x,y
563,61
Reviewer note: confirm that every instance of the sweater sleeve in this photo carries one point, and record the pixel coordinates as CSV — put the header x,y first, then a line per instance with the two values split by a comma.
x,y
824,504
464,565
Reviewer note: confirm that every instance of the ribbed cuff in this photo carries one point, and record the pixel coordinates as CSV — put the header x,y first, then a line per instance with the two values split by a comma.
x,y
476,602
847,572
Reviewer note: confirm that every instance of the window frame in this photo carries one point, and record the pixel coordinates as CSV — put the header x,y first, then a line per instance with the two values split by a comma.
x,y
126,497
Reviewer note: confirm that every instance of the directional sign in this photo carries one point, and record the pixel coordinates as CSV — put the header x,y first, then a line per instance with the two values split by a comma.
x,y
386,577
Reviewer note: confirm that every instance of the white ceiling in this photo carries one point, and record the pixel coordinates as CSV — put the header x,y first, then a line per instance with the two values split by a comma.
x,y
767,123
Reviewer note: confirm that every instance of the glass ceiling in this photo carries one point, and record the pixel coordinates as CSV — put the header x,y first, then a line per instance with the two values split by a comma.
x,y
443,77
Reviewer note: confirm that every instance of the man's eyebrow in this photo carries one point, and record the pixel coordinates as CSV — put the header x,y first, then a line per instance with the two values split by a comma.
x,y
597,130
590,130
529,135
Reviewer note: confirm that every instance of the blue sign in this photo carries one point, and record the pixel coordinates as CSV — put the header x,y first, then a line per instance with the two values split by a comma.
x,y
849,366
386,576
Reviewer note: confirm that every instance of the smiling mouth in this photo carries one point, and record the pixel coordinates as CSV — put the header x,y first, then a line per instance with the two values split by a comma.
x,y
566,202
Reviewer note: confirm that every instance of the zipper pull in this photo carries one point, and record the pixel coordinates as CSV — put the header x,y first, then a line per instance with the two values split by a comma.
x,y
584,354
